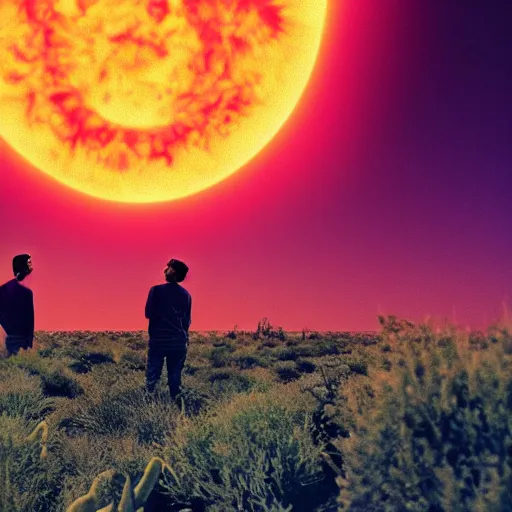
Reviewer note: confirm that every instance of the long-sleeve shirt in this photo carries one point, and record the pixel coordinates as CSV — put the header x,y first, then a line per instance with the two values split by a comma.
x,y
16,309
168,309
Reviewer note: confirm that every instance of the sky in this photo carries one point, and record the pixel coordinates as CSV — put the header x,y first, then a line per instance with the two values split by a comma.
x,y
387,192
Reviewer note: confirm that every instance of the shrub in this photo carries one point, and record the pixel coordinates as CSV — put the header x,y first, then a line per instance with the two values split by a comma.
x,y
220,356
438,438
256,453
227,382
86,360
249,361
358,366
29,481
246,361
387,365
88,455
21,395
232,335
57,383
121,409
55,380
286,371
305,366
286,354
108,410
266,330
98,357
79,367
136,343
270,343
133,360
190,369
153,421
318,349
46,352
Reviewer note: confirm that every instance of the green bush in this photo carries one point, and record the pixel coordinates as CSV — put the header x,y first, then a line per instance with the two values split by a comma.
x,y
85,361
133,360
287,371
136,343
435,437
55,380
387,365
246,361
228,382
255,454
286,354
121,409
440,437
220,356
57,383
358,366
305,366
28,482
46,352
21,395
319,348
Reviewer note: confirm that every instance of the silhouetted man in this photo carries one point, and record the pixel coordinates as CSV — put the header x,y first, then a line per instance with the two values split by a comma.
x,y
17,307
168,309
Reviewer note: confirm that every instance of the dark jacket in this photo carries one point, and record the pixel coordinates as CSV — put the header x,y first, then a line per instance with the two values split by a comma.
x,y
17,309
168,309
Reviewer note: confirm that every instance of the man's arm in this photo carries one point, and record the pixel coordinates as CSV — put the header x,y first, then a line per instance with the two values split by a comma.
x,y
189,311
150,303
2,306
30,316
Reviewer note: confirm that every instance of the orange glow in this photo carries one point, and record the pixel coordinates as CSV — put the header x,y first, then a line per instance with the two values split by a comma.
x,y
151,100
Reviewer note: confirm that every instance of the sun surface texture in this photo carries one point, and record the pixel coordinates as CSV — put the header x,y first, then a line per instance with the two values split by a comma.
x,y
151,100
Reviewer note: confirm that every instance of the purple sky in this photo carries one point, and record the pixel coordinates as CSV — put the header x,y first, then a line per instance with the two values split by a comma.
x,y
388,192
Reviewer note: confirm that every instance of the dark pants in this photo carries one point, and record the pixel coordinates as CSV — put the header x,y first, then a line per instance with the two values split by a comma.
x,y
175,360
13,344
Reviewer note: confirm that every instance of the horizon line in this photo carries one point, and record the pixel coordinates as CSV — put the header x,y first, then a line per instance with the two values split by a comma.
x,y
207,331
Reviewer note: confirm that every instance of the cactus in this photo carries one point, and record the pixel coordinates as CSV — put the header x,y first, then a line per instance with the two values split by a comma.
x,y
88,502
149,479
132,500
43,426
127,503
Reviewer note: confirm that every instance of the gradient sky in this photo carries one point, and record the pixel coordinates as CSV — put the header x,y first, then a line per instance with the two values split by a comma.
x,y
387,192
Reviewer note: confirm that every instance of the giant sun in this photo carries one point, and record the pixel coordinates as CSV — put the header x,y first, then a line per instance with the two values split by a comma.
x,y
151,100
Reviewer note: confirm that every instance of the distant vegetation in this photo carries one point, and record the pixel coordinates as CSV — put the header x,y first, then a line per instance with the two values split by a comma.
x,y
413,418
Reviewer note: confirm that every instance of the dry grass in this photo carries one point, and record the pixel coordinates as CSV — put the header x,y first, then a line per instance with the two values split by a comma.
x,y
236,416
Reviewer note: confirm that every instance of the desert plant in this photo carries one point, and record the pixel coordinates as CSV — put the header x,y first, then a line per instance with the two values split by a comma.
x,y
287,371
29,482
21,395
253,453
357,366
220,356
228,382
285,354
132,360
132,498
232,335
305,366
440,436
245,360
55,377
266,330
58,383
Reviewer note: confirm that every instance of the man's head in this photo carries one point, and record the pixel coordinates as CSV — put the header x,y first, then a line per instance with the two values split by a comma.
x,y
21,266
175,271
